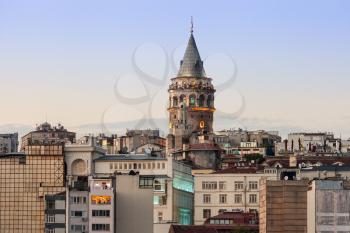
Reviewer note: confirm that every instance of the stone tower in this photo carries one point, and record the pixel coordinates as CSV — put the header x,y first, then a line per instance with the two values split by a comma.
x,y
191,100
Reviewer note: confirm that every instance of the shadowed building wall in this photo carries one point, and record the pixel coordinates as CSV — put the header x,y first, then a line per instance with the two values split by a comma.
x,y
283,206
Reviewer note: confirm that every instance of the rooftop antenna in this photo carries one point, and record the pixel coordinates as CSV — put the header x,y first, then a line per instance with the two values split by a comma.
x,y
191,24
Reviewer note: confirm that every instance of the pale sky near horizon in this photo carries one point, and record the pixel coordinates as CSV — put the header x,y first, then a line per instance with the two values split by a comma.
x,y
61,59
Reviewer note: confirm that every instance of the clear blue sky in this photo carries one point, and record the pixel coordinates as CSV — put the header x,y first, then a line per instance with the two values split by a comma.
x,y
61,58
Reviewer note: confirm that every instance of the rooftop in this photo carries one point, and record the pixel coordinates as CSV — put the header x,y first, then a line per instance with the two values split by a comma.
x,y
240,170
120,157
191,229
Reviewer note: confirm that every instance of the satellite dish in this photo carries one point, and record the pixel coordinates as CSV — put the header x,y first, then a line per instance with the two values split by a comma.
x,y
286,178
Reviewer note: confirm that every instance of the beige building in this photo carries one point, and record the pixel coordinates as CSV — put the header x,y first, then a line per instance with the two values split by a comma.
x,y
227,190
25,180
283,206
134,204
328,206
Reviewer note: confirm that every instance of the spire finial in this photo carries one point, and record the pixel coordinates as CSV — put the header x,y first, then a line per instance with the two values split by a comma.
x,y
191,24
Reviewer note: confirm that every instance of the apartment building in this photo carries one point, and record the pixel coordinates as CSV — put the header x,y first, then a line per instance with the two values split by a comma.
x,y
231,189
102,204
25,181
47,134
328,206
55,213
173,182
8,143
79,159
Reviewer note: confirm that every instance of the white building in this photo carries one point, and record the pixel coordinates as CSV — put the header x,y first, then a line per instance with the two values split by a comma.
x,y
227,190
79,159
312,142
328,206
173,183
8,143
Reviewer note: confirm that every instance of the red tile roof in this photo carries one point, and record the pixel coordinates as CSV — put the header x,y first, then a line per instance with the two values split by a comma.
x,y
191,229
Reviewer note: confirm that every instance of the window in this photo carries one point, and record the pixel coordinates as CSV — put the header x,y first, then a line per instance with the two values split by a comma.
x,y
111,166
163,165
125,166
78,200
238,185
51,230
143,166
76,213
100,227
201,101
209,101
222,198
100,213
238,198
221,211
192,100
206,198
252,198
253,185
222,185
146,182
175,103
209,185
158,185
50,204
158,165
160,216
100,200
159,200
120,166
50,218
206,213
77,228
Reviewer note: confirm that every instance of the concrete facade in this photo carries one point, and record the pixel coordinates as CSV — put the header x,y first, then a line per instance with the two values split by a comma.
x,y
134,204
283,206
328,206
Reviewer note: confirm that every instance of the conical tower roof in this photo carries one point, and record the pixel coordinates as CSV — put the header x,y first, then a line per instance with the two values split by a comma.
x,y
191,65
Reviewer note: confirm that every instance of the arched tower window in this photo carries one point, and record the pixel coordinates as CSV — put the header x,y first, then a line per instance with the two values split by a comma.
x,y
192,100
209,101
201,100
175,102
182,99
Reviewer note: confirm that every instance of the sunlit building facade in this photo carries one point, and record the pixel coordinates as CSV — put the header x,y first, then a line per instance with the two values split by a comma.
x,y
25,180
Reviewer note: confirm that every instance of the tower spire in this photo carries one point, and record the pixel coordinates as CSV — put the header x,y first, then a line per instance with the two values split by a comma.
x,y
191,65
191,24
